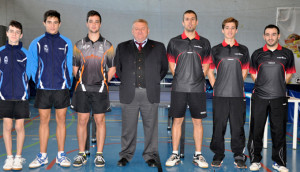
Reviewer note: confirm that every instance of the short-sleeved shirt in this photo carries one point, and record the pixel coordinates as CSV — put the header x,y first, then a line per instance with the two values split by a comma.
x,y
271,68
92,58
189,55
229,63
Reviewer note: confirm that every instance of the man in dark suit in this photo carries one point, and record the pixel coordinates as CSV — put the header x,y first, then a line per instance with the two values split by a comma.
x,y
140,63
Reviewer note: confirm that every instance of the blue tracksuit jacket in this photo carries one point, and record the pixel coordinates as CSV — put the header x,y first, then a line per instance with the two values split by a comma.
x,y
52,61
14,72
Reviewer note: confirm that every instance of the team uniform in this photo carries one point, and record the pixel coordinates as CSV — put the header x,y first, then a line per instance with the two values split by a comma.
x,y
269,97
188,85
229,98
14,77
52,61
91,90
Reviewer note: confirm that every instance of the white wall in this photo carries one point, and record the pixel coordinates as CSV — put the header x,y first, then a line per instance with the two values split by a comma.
x,y
164,17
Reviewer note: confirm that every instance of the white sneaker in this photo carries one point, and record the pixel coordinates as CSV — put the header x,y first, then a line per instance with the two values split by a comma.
x,y
38,161
279,168
200,161
173,160
64,161
8,164
18,163
255,166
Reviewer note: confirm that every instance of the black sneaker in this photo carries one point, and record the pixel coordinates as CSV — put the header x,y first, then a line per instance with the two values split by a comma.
x,y
99,160
79,160
216,163
240,161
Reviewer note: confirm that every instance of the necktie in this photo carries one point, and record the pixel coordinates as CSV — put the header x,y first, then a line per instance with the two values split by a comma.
x,y
140,45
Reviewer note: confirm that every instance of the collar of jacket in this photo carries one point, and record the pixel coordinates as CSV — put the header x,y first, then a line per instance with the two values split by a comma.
x,y
19,46
52,35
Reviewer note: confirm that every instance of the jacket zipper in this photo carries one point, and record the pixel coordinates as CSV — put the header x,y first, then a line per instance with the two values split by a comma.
x,y
52,62
12,73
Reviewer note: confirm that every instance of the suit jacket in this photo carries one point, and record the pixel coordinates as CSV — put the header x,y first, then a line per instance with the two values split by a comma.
x,y
156,68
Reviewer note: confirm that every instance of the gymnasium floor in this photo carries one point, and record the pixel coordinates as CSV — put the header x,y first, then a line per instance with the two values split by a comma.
x,y
112,145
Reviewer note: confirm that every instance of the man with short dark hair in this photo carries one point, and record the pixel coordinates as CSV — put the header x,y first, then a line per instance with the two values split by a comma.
x,y
52,62
231,61
271,67
141,63
189,59
92,56
14,76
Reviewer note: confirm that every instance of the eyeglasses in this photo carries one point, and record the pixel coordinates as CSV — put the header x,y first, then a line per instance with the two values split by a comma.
x,y
14,32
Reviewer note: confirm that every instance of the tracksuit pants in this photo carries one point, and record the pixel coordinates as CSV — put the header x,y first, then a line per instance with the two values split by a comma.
x,y
234,110
277,110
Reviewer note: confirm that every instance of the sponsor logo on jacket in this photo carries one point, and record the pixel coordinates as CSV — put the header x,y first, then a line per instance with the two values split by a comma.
x,y
85,46
281,57
5,60
238,54
46,49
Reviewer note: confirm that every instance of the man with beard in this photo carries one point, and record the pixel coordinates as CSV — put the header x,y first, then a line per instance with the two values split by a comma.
x,y
92,55
271,67
190,54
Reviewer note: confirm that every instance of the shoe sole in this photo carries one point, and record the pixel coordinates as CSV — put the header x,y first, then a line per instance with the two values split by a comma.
x,y
16,168
254,170
239,166
217,165
79,165
275,168
39,166
99,165
64,165
174,164
7,169
195,163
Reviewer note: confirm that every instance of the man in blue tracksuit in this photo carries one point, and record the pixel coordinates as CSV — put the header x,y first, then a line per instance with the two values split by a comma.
x,y
52,62
14,93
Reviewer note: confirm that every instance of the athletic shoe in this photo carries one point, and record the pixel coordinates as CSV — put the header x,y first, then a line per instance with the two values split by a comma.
x,y
18,163
279,168
216,163
240,161
63,161
255,166
8,164
99,160
80,160
200,161
173,160
38,161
